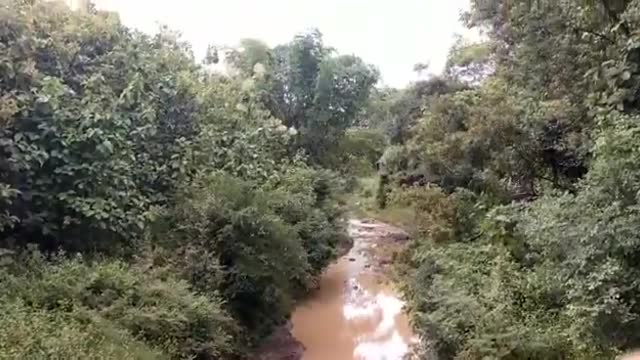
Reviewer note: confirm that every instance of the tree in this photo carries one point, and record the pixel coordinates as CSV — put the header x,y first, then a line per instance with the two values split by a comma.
x,y
308,88
150,208
469,62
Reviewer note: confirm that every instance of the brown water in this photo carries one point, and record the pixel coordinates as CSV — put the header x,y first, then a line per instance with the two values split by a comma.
x,y
354,314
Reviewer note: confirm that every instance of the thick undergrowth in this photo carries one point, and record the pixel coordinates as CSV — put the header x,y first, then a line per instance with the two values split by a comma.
x,y
521,177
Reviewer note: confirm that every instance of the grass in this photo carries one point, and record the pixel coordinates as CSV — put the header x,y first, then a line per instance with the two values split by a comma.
x,y
362,204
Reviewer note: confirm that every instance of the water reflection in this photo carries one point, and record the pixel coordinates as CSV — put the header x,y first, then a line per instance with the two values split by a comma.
x,y
353,315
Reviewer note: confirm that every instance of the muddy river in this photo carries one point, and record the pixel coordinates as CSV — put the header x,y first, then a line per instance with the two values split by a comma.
x,y
355,313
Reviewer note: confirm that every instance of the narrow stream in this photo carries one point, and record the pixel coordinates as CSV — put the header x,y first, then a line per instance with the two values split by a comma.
x,y
354,314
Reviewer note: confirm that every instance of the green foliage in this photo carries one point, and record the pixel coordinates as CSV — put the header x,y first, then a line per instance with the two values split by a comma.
x,y
97,120
357,152
396,112
394,160
566,263
29,333
223,224
106,303
251,56
238,135
308,88
471,138
526,243
237,226
470,62
382,191
188,195
307,199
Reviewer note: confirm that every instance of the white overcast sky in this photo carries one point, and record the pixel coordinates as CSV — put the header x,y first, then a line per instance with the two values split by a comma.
x,y
391,34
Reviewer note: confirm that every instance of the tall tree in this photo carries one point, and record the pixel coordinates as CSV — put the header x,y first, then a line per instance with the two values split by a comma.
x,y
310,89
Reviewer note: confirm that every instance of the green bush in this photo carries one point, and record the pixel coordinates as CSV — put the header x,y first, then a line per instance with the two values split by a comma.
x,y
567,263
227,223
307,199
30,333
469,292
195,213
106,301
394,160
357,152
95,127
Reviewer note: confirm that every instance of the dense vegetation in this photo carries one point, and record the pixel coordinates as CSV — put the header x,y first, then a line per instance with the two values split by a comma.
x,y
521,167
151,208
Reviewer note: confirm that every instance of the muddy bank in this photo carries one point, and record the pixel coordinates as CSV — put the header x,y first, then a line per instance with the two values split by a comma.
x,y
281,345
355,313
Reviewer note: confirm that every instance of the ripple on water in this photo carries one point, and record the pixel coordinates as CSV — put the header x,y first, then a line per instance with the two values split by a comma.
x,y
352,316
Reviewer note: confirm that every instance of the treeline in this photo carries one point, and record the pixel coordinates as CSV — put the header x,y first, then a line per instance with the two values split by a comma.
x,y
521,163
150,208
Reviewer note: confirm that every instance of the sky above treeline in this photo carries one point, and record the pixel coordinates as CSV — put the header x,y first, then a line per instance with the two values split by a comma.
x,y
390,34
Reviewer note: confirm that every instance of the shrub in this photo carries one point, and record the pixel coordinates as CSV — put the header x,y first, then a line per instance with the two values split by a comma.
x,y
394,160
307,200
159,311
95,128
357,153
288,224
30,333
197,219
565,263
382,191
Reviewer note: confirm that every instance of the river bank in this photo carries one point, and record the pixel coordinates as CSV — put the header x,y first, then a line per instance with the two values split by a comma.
x,y
355,313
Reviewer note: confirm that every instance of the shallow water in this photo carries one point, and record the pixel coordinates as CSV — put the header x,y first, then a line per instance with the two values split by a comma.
x,y
354,314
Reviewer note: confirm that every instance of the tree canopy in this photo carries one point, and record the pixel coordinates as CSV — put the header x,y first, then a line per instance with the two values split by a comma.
x,y
308,87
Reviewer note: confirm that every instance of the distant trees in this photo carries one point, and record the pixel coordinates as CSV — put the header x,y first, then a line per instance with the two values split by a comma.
x,y
309,88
